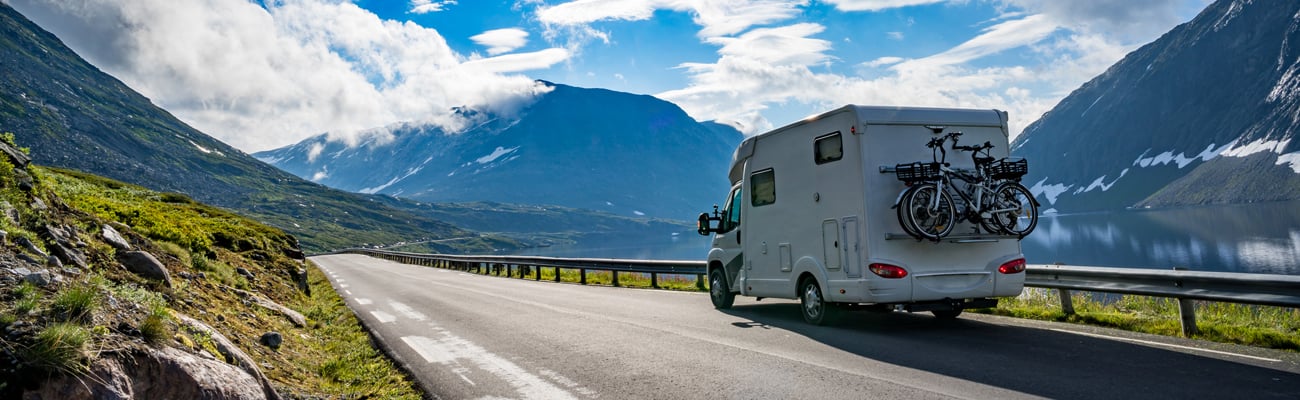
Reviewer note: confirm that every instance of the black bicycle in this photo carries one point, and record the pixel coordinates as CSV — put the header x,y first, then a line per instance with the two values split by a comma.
x,y
991,197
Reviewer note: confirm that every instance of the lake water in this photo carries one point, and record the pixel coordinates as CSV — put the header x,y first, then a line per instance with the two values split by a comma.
x,y
1259,238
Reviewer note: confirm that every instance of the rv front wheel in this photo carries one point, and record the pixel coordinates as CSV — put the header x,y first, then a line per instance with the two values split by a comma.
x,y
719,292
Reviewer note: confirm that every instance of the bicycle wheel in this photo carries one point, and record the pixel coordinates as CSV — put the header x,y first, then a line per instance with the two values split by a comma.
x,y
901,209
930,211
1014,210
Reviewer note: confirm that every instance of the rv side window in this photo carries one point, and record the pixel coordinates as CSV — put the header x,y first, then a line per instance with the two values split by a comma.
x,y
731,217
763,186
828,148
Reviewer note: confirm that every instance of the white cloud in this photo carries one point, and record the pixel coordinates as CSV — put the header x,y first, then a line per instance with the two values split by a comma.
x,y
895,35
716,17
998,38
501,40
778,46
259,78
883,61
428,6
877,5
519,62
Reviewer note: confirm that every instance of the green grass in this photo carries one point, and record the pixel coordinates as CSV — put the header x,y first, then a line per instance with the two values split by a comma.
x,y
59,348
1260,326
27,298
347,366
75,303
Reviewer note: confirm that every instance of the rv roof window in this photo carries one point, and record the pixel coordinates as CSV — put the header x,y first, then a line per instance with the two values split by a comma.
x,y
763,187
828,148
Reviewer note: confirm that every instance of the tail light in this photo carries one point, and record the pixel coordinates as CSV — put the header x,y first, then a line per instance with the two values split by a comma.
x,y
888,271
1012,267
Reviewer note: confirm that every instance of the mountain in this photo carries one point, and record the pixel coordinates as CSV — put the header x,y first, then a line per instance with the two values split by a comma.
x,y
74,116
631,155
1205,114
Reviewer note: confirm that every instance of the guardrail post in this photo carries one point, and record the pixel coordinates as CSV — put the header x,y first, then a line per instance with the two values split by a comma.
x,y
582,276
654,280
1187,313
1186,310
539,272
1067,303
557,274
615,275
699,281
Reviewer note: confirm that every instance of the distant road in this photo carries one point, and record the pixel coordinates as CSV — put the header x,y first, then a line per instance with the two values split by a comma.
x,y
470,336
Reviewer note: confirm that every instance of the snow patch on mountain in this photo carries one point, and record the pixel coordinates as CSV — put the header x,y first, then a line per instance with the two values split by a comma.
x,y
1049,191
500,151
314,151
1101,183
409,172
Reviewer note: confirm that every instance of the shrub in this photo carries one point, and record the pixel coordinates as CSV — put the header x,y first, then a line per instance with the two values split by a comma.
x,y
154,327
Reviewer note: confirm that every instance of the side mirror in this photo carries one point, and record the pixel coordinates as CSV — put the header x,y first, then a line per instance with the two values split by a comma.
x,y
703,225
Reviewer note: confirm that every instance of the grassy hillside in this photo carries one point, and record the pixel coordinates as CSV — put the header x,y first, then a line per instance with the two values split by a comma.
x,y
60,319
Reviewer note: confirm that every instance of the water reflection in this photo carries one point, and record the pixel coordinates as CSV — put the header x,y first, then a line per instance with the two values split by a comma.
x,y
1262,238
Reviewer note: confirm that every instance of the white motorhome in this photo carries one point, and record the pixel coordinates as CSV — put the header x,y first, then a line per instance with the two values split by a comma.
x,y
811,216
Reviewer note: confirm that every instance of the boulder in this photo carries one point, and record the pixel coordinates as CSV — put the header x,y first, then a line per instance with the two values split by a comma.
x,y
232,354
69,255
30,246
165,373
145,265
272,340
40,278
115,238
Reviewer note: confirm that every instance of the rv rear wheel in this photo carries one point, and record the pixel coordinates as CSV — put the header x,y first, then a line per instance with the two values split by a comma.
x,y
812,303
719,292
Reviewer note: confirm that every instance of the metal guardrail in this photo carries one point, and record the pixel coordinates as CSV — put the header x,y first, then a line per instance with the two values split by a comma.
x,y
1183,285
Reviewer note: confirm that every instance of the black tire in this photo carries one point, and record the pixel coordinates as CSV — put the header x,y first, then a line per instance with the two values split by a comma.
x,y
719,292
1015,211
946,314
812,304
903,221
932,224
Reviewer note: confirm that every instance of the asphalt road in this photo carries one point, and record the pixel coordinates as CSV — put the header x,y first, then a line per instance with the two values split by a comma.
x,y
469,336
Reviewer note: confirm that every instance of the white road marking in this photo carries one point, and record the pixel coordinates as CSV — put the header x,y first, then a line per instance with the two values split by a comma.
x,y
449,348
340,280
407,311
383,317
1172,346
344,286
364,302
347,292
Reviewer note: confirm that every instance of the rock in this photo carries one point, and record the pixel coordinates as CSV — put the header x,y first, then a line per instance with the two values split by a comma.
x,y
145,265
165,373
20,271
114,238
293,316
69,256
11,213
232,354
39,205
4,236
29,246
16,156
53,262
299,276
40,278
25,181
244,272
29,259
272,340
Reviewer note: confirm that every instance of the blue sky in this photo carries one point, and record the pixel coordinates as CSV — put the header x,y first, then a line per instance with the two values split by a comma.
x,y
265,74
